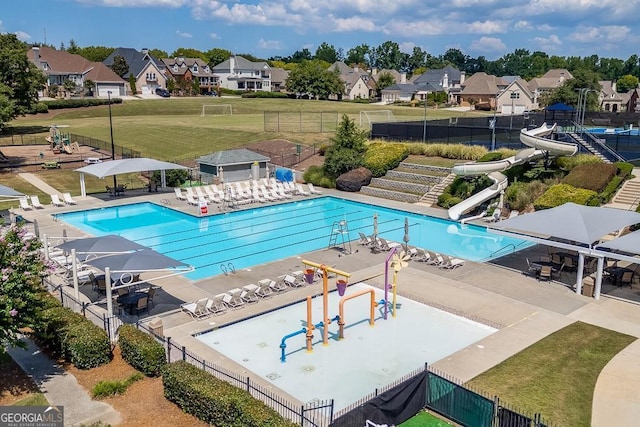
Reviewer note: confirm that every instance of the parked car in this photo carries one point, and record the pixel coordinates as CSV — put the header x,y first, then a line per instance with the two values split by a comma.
x,y
163,92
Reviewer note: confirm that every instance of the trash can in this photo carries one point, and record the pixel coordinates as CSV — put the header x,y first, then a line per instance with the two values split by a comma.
x,y
155,326
587,286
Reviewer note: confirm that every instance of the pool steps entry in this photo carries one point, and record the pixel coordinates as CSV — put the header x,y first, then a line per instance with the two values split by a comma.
x,y
337,239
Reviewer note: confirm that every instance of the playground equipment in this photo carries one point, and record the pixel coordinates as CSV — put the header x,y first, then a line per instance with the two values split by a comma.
x,y
61,143
372,307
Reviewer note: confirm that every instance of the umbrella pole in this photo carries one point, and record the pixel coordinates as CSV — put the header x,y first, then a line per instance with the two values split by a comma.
x,y
107,283
74,271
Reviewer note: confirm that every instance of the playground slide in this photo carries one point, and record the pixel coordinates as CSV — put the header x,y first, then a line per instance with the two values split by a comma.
x,y
534,138
67,149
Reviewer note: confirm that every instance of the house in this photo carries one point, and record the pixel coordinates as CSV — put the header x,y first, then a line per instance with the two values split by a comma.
x,y
633,101
610,99
278,79
232,165
551,80
184,71
447,79
375,74
148,74
481,88
238,73
356,81
516,98
60,66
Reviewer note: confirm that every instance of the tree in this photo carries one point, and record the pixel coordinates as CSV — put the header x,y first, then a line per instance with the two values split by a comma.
x,y
418,59
216,56
95,53
568,92
326,52
20,80
388,56
310,77
187,52
348,148
70,86
120,66
301,55
158,53
132,84
22,296
171,85
358,55
73,47
385,80
626,83
89,85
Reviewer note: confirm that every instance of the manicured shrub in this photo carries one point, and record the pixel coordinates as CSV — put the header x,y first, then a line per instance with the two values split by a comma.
x,y
520,195
86,345
53,326
560,194
593,176
611,188
446,200
381,157
317,176
624,169
491,157
39,107
111,388
215,401
141,350
78,103
448,151
568,163
263,94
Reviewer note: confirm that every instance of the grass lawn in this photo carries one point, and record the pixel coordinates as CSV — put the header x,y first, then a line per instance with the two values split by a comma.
x,y
35,399
173,129
556,376
425,419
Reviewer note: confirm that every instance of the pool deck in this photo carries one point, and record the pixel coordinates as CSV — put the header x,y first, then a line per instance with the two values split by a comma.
x,y
523,309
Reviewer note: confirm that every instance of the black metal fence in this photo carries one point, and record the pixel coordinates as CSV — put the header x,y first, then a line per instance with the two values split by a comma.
x,y
104,146
288,160
300,121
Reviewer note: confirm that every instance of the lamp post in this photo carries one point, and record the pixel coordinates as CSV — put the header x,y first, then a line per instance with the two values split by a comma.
x,y
513,94
113,148
424,126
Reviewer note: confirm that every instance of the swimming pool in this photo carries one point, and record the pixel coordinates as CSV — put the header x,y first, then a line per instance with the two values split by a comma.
x,y
348,369
268,233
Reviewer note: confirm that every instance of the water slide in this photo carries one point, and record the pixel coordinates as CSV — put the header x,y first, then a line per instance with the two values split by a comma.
x,y
539,146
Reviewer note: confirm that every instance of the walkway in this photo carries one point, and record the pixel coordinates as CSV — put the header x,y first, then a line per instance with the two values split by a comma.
x,y
38,183
61,388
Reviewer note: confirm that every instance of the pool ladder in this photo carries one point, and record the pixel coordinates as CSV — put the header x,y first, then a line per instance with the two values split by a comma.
x,y
229,268
337,240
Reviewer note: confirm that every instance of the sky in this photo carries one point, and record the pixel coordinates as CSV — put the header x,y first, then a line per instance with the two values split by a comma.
x,y
267,28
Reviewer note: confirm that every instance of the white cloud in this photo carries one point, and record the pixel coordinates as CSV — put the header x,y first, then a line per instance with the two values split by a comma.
x,y
214,36
523,25
135,3
545,27
488,45
407,47
269,44
355,23
23,36
183,35
603,34
547,44
486,27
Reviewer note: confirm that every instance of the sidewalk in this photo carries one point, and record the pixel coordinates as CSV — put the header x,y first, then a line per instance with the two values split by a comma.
x,y
38,183
61,388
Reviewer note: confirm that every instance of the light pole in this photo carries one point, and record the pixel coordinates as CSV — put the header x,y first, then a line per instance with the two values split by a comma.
x,y
113,147
424,126
513,94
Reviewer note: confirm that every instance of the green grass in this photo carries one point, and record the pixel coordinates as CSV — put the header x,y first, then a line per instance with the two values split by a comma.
x,y
556,376
34,399
174,130
425,419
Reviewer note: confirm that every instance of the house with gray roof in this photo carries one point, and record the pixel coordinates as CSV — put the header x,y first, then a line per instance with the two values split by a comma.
x,y
610,99
145,68
551,80
184,71
356,81
232,165
238,73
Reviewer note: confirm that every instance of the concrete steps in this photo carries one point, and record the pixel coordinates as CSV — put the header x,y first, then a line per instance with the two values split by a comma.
x,y
431,198
629,194
590,148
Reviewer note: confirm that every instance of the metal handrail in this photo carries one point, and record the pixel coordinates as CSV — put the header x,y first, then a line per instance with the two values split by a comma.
x,y
598,141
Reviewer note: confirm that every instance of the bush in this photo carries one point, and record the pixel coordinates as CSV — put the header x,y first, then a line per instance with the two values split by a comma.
x,y
141,350
560,194
448,151
262,94
381,157
593,176
111,388
568,163
491,157
39,107
611,188
520,195
215,401
317,176
624,169
86,345
446,200
77,103
54,322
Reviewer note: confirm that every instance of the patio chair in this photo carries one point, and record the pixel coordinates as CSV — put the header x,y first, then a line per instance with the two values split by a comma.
x,y
196,309
212,195
257,197
420,255
191,200
216,304
385,245
278,285
264,288
249,293
55,200
312,189
434,258
290,280
179,194
301,190
532,269
68,199
24,204
200,193
151,292
364,239
190,192
265,194
545,273
232,298
142,305
35,202
626,279
449,263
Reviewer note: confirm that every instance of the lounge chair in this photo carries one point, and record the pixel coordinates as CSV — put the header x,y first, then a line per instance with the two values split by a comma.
x,y
197,309
190,192
434,258
265,194
192,201
290,280
312,189
249,293
301,190
276,285
449,263
200,193
35,202
282,193
216,304
67,199
179,194
233,298
24,204
364,239
55,200
264,288
420,255
385,245
257,197
212,195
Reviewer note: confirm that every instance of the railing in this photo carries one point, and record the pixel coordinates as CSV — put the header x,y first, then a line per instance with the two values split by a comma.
x,y
603,148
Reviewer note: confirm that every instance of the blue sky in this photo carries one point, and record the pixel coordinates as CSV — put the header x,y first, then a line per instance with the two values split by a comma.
x,y
266,28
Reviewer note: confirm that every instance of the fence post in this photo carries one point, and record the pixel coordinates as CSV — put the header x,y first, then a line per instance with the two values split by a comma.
x,y
168,349
248,383
496,404
302,415
184,353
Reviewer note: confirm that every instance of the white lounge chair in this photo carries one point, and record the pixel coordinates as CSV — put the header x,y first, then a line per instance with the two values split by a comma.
x,y
233,298
420,255
257,197
364,239
249,293
312,189
264,288
55,200
200,193
35,202
197,309
179,194
301,191
212,195
24,204
216,304
450,263
67,199
191,200
265,194
434,258
290,280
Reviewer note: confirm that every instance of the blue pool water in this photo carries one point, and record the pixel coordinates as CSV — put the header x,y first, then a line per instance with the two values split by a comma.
x,y
613,131
266,234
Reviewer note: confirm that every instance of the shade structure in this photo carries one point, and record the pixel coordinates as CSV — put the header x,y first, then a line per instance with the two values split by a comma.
x,y
109,244
139,261
571,222
117,167
629,243
9,193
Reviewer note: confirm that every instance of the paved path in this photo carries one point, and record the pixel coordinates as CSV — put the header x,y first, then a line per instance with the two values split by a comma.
x,y
38,183
62,389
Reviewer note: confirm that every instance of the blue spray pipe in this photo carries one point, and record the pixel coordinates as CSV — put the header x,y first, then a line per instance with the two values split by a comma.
x,y
283,345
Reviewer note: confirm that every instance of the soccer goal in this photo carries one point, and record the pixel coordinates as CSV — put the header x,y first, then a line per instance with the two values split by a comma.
x,y
216,109
377,116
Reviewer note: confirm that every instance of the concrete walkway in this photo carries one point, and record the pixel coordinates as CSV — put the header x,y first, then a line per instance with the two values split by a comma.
x,y
38,183
61,388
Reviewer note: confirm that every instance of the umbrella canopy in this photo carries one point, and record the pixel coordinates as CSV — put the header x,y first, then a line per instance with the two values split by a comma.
x,y
139,261
629,243
9,192
571,222
375,225
116,167
101,245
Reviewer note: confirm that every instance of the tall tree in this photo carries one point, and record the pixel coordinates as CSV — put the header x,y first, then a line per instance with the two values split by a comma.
x,y
389,56
73,47
217,55
568,92
385,80
313,78
158,53
301,55
359,55
326,52
187,52
455,58
20,79
348,148
250,57
417,59
632,66
95,53
22,296
626,83
120,66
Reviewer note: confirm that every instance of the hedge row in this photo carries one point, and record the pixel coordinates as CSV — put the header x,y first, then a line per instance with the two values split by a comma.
x,y
594,176
381,157
141,350
215,401
263,94
448,151
560,194
75,338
